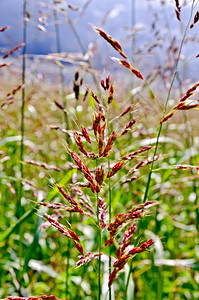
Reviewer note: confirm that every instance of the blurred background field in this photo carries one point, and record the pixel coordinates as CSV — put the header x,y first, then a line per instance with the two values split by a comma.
x,y
60,41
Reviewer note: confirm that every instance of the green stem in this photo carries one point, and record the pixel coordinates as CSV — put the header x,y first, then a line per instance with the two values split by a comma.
x,y
165,107
99,246
110,207
22,109
128,279
66,121
19,206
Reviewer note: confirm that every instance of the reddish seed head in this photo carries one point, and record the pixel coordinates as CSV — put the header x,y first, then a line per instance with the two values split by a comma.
x,y
112,277
126,111
110,40
110,241
110,97
115,169
14,49
107,82
86,135
99,176
79,247
127,65
128,126
109,144
166,117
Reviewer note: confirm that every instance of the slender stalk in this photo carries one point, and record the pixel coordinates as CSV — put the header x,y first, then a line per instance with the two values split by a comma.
x,y
167,99
83,51
99,246
110,208
22,126
66,125
160,126
128,279
22,108
61,74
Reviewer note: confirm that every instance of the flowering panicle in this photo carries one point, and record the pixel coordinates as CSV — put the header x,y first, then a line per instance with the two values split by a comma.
x,y
110,40
120,263
128,126
115,169
67,232
183,104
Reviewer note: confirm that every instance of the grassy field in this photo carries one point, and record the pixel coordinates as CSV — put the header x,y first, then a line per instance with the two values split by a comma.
x,y
99,173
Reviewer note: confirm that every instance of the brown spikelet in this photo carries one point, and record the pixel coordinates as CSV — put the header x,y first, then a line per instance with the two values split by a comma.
x,y
85,94
115,169
189,92
5,65
109,144
43,165
130,179
99,175
110,40
80,144
66,196
110,97
95,97
128,126
177,15
13,50
167,117
60,106
178,9
126,111
133,154
196,18
86,135
127,65
3,28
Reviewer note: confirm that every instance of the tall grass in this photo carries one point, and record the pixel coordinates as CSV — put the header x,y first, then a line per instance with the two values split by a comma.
x,y
108,179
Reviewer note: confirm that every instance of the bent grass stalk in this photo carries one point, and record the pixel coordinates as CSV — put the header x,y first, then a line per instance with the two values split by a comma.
x,y
164,113
19,208
66,120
